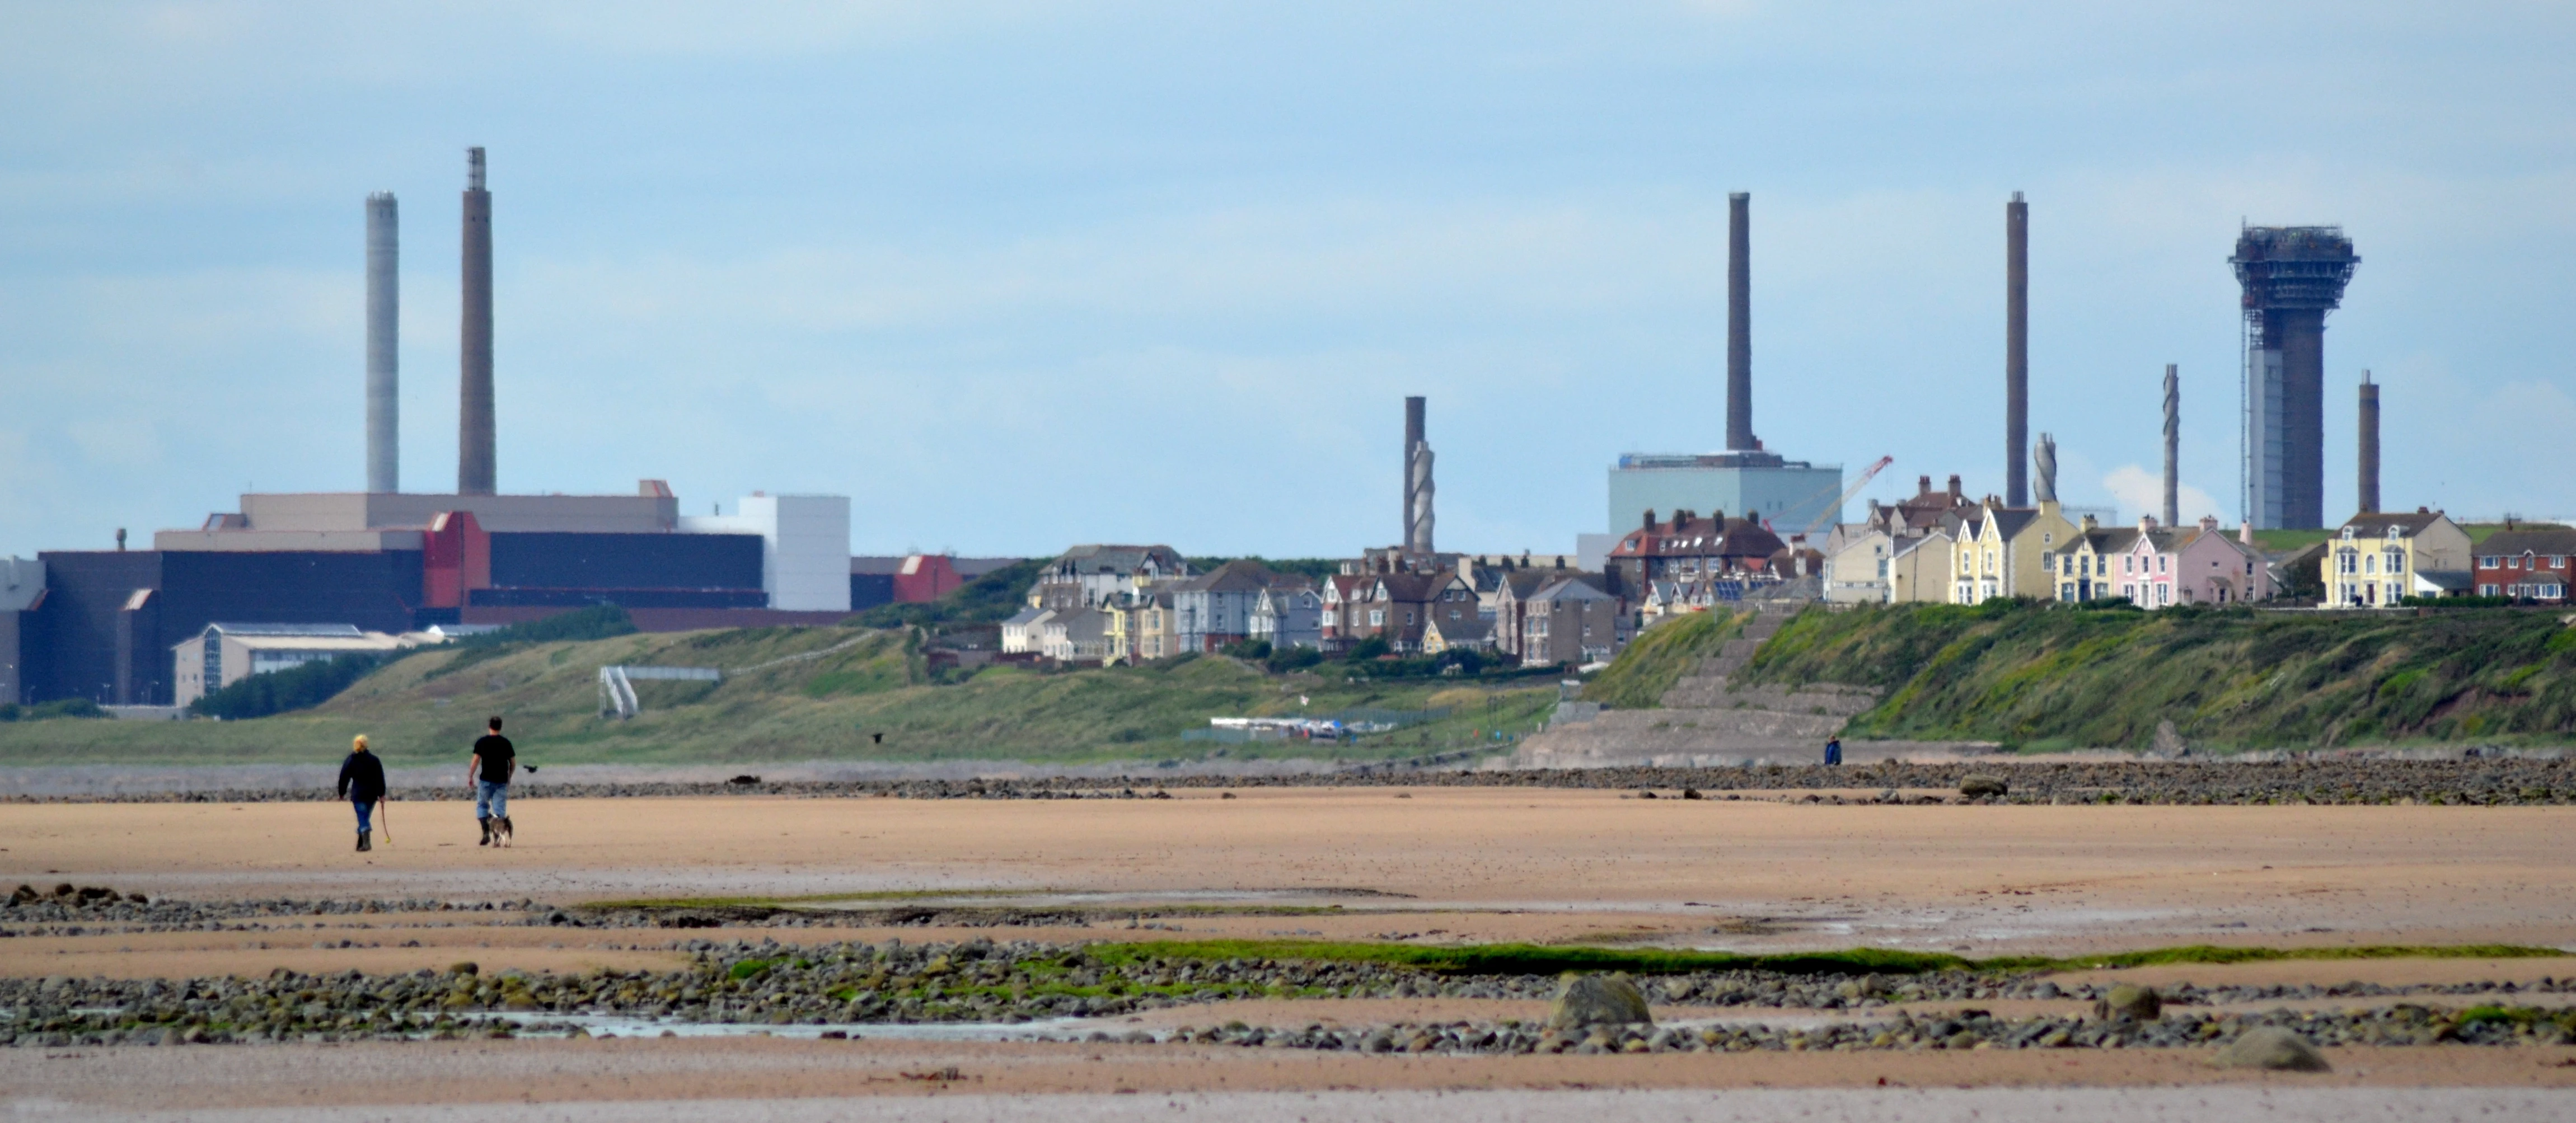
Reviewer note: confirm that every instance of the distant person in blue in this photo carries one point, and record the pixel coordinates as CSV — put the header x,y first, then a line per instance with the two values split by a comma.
x,y
362,783
1833,750
489,771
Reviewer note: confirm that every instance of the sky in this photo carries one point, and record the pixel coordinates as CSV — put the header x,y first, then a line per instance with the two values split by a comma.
x,y
1015,275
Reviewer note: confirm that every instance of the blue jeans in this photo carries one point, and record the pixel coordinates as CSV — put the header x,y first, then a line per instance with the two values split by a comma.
x,y
491,801
366,807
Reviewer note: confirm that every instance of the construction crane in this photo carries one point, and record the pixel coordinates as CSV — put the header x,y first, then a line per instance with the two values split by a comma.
x,y
1866,474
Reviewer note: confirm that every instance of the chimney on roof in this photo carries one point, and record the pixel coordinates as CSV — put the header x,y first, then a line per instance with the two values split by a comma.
x,y
1650,518
1922,485
1955,494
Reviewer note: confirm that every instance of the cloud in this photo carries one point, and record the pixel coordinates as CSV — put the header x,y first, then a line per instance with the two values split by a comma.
x,y
2138,490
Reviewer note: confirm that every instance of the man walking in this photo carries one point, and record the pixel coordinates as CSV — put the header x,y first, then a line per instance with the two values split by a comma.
x,y
1834,749
489,772
362,783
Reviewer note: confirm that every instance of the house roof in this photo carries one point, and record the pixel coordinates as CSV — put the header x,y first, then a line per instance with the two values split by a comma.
x,y
2110,539
1025,616
1569,589
2535,540
1470,630
2009,521
1100,558
2376,523
1690,536
1241,575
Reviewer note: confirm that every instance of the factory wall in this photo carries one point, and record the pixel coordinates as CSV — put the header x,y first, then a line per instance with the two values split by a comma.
x,y
807,566
1791,497
625,561
109,619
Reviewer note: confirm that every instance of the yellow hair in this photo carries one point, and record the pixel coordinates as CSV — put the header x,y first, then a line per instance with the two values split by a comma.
x,y
359,745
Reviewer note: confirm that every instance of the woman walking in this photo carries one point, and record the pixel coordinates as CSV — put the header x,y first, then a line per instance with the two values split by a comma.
x,y
362,783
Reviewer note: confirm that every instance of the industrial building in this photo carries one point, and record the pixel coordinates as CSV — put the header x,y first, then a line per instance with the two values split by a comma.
x,y
225,654
127,627
2292,276
1746,480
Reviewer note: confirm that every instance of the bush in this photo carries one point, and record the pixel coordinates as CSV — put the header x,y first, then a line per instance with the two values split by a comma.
x,y
1366,649
2457,602
43,711
1284,660
599,621
989,599
1249,649
277,692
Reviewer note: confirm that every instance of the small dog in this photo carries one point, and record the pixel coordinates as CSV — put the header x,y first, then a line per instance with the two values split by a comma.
x,y
501,830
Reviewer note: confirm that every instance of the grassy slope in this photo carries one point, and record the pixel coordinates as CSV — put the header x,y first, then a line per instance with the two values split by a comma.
x,y
820,709
2050,677
1659,657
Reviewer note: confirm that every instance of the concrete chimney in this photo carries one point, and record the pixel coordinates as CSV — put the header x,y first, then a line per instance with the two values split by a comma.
x,y
2173,445
1739,323
2369,444
2016,352
384,335
1417,480
475,472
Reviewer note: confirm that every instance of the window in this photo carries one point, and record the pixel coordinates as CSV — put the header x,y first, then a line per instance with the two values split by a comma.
x,y
2487,563
2486,590
2129,563
2160,563
2396,561
2347,562
2164,594
2047,562
1331,617
2370,565
1377,617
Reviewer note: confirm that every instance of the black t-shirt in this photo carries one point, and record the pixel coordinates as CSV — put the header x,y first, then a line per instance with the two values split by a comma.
x,y
498,757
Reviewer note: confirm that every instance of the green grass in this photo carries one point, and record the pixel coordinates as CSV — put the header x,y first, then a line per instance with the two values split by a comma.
x,y
2036,675
865,701
1660,656
1532,959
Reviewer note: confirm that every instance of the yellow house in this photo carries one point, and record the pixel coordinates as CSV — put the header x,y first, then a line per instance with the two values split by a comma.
x,y
2377,560
2008,552
1920,569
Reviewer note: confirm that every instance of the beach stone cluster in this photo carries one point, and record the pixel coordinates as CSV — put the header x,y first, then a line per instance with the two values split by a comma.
x,y
67,910
770,984
2483,781
1968,1029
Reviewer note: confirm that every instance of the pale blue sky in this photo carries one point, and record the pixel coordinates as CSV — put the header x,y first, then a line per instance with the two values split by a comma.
x,y
1014,275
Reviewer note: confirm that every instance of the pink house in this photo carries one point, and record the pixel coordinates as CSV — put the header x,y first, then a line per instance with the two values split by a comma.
x,y
2166,566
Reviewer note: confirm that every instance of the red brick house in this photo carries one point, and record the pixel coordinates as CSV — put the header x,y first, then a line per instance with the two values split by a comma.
x,y
2530,563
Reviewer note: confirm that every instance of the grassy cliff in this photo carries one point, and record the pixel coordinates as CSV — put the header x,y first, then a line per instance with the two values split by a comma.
x,y
2043,677
789,694
1659,657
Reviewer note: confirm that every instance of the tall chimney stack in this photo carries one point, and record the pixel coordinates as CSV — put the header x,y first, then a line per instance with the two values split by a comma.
x,y
1417,480
1739,322
384,335
475,474
2016,352
2369,444
2173,445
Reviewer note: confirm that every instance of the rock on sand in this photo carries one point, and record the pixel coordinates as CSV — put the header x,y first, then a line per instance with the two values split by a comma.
x,y
2274,1048
1592,1000
2129,1004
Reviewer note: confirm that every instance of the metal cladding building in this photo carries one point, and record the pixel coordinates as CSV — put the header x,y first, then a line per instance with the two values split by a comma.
x,y
1746,480
2292,277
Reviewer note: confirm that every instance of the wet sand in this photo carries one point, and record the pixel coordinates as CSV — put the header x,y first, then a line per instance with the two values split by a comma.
x,y
1511,864
1428,865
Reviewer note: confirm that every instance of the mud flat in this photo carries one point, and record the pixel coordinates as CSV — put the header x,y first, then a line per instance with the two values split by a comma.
x,y
291,956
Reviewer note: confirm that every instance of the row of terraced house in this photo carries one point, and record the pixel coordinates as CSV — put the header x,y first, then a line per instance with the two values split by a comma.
x,y
1131,603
